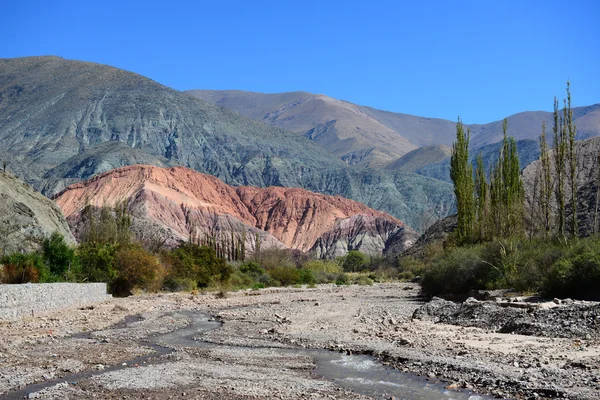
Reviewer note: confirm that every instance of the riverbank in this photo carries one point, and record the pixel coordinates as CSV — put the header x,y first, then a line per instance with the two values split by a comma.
x,y
373,320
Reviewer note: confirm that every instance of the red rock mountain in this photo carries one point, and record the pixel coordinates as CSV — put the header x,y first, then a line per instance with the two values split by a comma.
x,y
177,199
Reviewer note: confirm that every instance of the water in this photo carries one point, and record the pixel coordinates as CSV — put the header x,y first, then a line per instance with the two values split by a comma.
x,y
361,373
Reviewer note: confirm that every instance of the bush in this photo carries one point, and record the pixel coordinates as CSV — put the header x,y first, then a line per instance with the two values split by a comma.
x,y
576,274
306,277
355,261
273,258
97,262
460,270
175,284
410,267
286,276
252,269
23,268
199,263
58,256
136,269
342,279
363,280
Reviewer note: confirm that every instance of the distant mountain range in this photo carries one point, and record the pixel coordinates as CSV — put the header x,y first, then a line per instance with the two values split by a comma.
x,y
64,121
369,137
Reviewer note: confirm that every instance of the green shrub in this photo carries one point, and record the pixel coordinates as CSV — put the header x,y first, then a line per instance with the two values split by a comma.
x,y
355,261
24,268
136,269
576,274
97,261
342,279
199,263
460,270
59,257
286,276
306,277
363,280
176,284
325,266
251,268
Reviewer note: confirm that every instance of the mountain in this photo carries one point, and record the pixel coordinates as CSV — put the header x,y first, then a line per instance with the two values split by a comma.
x,y
56,115
354,132
528,150
340,127
421,157
27,217
181,201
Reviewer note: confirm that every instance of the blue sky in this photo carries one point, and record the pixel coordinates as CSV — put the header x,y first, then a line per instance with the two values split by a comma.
x,y
482,60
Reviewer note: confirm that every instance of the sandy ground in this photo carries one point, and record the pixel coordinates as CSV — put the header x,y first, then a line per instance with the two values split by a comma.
x,y
353,319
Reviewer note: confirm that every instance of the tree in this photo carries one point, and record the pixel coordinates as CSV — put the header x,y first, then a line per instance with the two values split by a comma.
x,y
545,182
572,157
461,173
59,257
481,194
355,261
559,166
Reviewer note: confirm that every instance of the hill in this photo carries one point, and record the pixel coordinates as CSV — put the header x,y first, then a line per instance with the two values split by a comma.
x,y
180,202
340,127
421,157
27,217
303,112
54,113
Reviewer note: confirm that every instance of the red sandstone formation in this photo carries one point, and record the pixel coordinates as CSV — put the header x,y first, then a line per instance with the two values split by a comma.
x,y
174,197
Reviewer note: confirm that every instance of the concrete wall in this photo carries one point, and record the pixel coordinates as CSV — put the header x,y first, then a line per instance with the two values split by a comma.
x,y
18,301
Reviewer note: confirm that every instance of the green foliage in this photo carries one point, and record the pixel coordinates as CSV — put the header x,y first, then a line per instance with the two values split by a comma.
x,y
252,269
461,173
355,261
97,261
286,276
176,284
363,280
273,258
342,279
577,273
136,269
23,268
59,257
199,263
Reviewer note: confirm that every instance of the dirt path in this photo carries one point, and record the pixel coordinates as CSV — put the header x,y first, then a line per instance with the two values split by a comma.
x,y
365,319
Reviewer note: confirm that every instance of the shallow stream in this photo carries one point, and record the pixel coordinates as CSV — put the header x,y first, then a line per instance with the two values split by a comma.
x,y
361,373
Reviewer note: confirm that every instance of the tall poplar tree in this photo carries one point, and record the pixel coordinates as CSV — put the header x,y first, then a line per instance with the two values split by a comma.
x,y
481,194
545,181
572,156
559,166
461,173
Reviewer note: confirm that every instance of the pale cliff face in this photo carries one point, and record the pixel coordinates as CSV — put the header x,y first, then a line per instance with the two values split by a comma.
x,y
179,197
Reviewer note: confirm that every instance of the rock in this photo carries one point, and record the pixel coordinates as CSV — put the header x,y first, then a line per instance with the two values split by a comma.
x,y
27,217
556,301
282,217
471,300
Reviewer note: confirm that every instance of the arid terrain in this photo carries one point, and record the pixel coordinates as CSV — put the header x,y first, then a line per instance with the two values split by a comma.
x,y
115,342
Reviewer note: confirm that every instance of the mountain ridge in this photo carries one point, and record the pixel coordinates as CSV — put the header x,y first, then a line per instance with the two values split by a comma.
x,y
180,200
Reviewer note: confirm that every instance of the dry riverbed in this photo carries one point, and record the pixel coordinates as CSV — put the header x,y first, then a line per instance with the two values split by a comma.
x,y
374,320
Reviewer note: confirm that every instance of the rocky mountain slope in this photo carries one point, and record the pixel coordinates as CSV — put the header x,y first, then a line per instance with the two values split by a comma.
x,y
27,217
340,127
327,118
421,157
181,201
57,115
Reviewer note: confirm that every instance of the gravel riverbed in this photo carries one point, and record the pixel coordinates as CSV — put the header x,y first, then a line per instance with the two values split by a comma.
x,y
442,347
